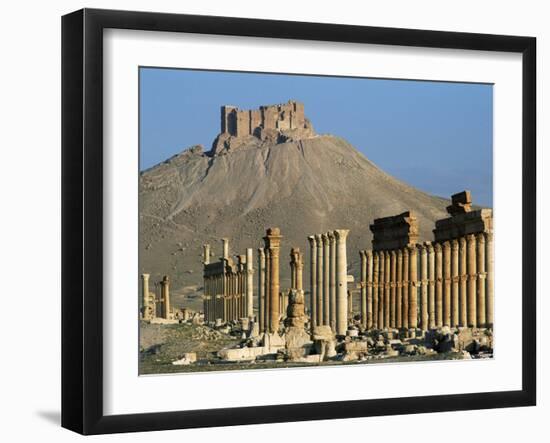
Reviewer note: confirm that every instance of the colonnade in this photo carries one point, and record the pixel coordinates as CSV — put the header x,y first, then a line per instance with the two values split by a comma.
x,y
328,280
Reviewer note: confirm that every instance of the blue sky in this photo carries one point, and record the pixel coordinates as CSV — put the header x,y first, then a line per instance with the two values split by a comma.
x,y
436,136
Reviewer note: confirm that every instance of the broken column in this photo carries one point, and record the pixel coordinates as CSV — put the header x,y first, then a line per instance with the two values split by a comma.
x,y
341,281
272,244
313,279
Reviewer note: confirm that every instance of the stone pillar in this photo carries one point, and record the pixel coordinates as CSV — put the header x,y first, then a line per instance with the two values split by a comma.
x,y
363,258
393,272
332,286
249,284
326,279
399,295
375,275
447,284
261,289
381,288
206,254
489,259
342,281
145,297
273,243
225,246
471,264
455,304
369,289
481,276
423,288
405,309
387,287
413,292
438,286
463,272
299,271
165,293
313,279
350,304
431,285
292,269
267,290
320,282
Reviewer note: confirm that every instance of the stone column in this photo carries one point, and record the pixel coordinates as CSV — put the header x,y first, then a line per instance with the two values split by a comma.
x,y
249,284
342,281
267,290
438,286
369,289
423,288
225,246
261,289
165,291
363,258
375,275
431,285
405,309
206,254
320,282
292,269
413,292
447,284
326,279
489,258
481,276
387,276
393,269
381,290
332,286
463,273
471,264
399,295
313,279
455,321
299,271
273,243
145,297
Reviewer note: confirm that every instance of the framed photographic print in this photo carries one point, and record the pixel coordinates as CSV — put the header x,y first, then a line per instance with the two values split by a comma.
x,y
269,221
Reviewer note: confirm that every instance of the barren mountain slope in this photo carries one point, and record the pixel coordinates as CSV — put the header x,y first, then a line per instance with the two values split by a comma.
x,y
303,187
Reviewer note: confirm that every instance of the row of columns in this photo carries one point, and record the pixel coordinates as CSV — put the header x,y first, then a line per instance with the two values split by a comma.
x,y
150,306
328,280
429,285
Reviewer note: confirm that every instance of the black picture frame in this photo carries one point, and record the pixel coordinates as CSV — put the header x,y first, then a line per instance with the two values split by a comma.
x,y
82,218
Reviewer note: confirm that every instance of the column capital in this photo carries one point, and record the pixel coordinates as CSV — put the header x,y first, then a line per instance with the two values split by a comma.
x,y
324,238
454,244
145,276
330,236
480,237
341,234
447,245
319,240
437,247
368,253
312,241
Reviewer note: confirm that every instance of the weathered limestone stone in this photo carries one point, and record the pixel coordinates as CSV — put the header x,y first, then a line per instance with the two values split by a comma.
x,y
387,289
489,257
326,279
481,276
313,279
375,284
363,283
393,276
472,276
454,288
395,232
272,244
463,277
320,280
187,359
165,294
146,311
381,289
447,284
413,290
324,342
423,287
206,254
225,246
405,309
438,285
399,295
341,281
369,289
332,277
249,284
431,285
261,290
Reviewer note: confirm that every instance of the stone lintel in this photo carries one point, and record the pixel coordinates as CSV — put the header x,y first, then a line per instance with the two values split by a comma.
x,y
395,232
462,224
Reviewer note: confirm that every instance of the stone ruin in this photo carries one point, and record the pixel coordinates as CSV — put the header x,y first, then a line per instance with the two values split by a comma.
x,y
272,124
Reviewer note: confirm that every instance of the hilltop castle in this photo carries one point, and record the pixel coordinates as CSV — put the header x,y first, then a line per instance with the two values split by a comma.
x,y
273,123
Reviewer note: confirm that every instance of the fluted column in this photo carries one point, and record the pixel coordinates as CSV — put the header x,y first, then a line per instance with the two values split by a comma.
x,y
363,257
375,284
326,279
382,289
320,280
342,281
369,289
413,293
332,277
454,285
438,285
393,272
387,276
405,308
481,276
472,277
431,285
463,282
313,278
423,287
399,294
273,243
145,297
489,258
